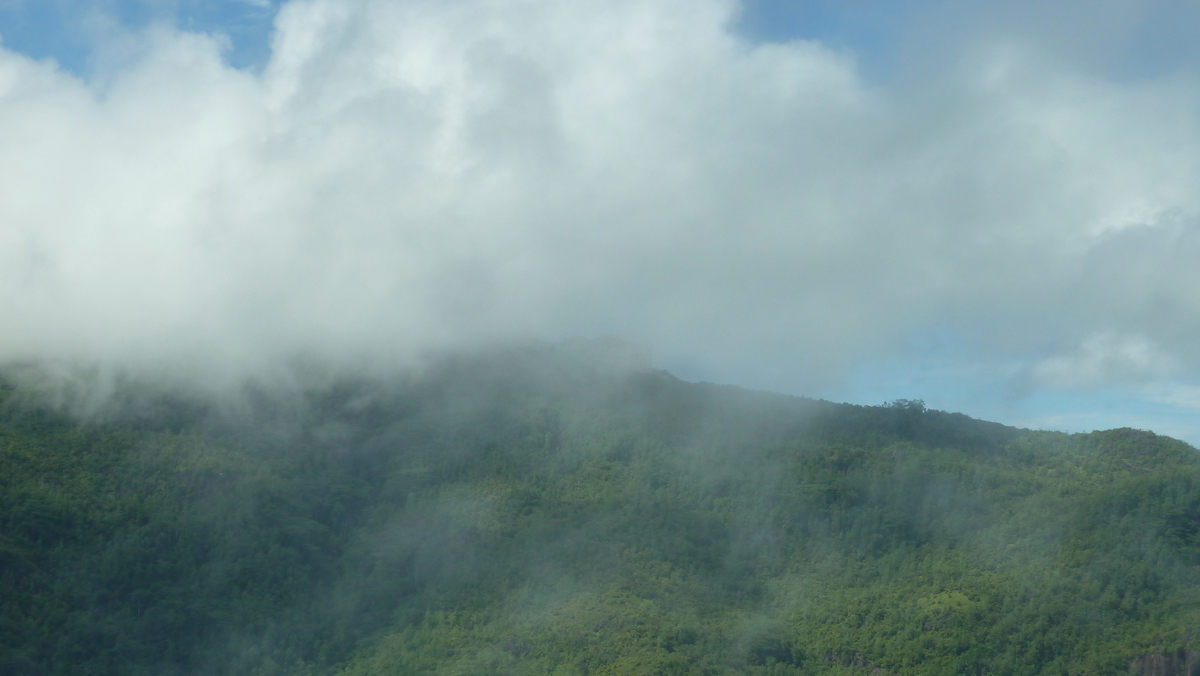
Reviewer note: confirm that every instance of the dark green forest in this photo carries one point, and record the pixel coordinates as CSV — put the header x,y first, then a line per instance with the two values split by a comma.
x,y
538,510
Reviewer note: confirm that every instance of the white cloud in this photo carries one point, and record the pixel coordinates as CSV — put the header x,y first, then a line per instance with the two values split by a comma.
x,y
1104,359
409,175
1176,395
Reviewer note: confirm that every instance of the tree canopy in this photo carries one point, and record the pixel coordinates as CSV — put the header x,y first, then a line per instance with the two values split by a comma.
x,y
529,512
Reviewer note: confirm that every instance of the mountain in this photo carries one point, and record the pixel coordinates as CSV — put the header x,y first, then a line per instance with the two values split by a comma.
x,y
565,509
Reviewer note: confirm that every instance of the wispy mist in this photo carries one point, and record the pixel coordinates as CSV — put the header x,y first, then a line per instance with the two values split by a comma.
x,y
409,176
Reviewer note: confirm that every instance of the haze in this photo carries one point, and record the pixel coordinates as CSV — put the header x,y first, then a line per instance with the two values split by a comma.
x,y
995,212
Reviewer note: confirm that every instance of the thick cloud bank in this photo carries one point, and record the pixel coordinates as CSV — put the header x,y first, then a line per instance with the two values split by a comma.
x,y
407,176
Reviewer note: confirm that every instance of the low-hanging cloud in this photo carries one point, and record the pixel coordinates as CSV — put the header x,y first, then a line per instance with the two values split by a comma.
x,y
411,176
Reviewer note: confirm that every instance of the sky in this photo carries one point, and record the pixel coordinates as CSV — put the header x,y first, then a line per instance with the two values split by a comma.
x,y
992,207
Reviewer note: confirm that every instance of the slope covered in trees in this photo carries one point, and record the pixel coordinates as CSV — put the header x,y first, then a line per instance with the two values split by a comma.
x,y
546,511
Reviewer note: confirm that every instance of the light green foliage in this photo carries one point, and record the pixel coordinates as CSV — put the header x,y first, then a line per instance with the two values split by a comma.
x,y
516,514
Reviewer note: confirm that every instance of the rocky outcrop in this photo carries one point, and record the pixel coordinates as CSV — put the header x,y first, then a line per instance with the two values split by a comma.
x,y
1178,663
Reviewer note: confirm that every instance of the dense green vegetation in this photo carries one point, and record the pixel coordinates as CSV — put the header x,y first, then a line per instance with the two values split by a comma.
x,y
533,512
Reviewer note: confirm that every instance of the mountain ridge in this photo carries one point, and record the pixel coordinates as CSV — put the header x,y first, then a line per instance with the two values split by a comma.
x,y
536,512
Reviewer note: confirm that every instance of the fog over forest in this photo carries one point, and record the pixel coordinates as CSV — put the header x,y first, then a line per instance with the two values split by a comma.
x,y
508,337
563,509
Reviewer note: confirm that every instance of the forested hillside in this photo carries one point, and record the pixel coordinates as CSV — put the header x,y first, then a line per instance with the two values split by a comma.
x,y
550,511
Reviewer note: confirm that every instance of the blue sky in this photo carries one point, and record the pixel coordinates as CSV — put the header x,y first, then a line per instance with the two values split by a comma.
x,y
988,206
882,36
69,31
